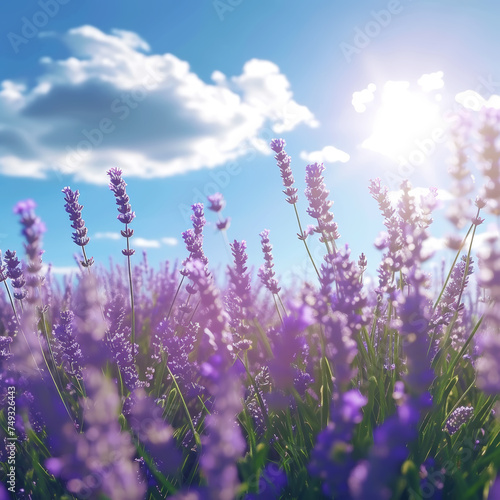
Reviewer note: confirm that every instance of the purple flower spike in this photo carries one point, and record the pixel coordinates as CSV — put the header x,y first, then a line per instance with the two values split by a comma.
x,y
217,202
118,186
266,272
33,229
15,274
319,205
74,210
283,162
126,216
3,270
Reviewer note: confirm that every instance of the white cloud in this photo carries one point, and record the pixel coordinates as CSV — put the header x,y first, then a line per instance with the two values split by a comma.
x,y
171,242
359,99
144,243
431,81
107,236
329,154
114,103
63,270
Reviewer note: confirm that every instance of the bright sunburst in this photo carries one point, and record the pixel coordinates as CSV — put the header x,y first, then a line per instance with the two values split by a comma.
x,y
403,118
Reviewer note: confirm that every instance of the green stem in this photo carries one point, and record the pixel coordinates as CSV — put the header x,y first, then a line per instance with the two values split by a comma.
x,y
85,259
191,425
451,268
277,308
131,295
175,297
305,243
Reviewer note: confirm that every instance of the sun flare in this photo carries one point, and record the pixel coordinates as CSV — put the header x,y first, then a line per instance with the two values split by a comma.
x,y
403,118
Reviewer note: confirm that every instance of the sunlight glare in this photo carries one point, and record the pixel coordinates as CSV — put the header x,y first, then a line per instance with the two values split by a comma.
x,y
404,117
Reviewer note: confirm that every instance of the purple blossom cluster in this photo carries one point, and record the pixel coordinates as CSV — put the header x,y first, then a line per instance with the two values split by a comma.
x,y
200,388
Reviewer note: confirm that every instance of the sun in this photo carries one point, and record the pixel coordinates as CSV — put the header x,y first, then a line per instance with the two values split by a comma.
x,y
404,118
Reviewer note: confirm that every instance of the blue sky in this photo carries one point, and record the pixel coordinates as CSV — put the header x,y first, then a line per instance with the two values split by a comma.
x,y
185,96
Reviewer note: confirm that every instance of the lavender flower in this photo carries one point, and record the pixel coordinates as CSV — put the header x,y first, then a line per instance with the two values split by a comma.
x,y
449,304
239,276
459,417
488,368
239,298
288,344
463,183
100,461
319,205
371,478
490,158
331,458
74,210
218,336
193,238
223,444
146,420
3,270
283,161
126,216
67,350
15,273
217,202
89,323
224,224
119,345
266,272
33,229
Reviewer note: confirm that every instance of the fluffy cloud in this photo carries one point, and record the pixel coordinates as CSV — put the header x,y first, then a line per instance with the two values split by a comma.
x,y
171,242
431,81
137,241
329,154
107,236
362,97
113,103
144,243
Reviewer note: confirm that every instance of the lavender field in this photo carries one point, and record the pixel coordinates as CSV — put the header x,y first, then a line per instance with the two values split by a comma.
x,y
181,381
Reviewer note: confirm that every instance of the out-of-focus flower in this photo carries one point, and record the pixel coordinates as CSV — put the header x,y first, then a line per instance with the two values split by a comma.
x,y
331,458
223,444
489,154
224,224
147,422
33,229
68,350
217,202
99,461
